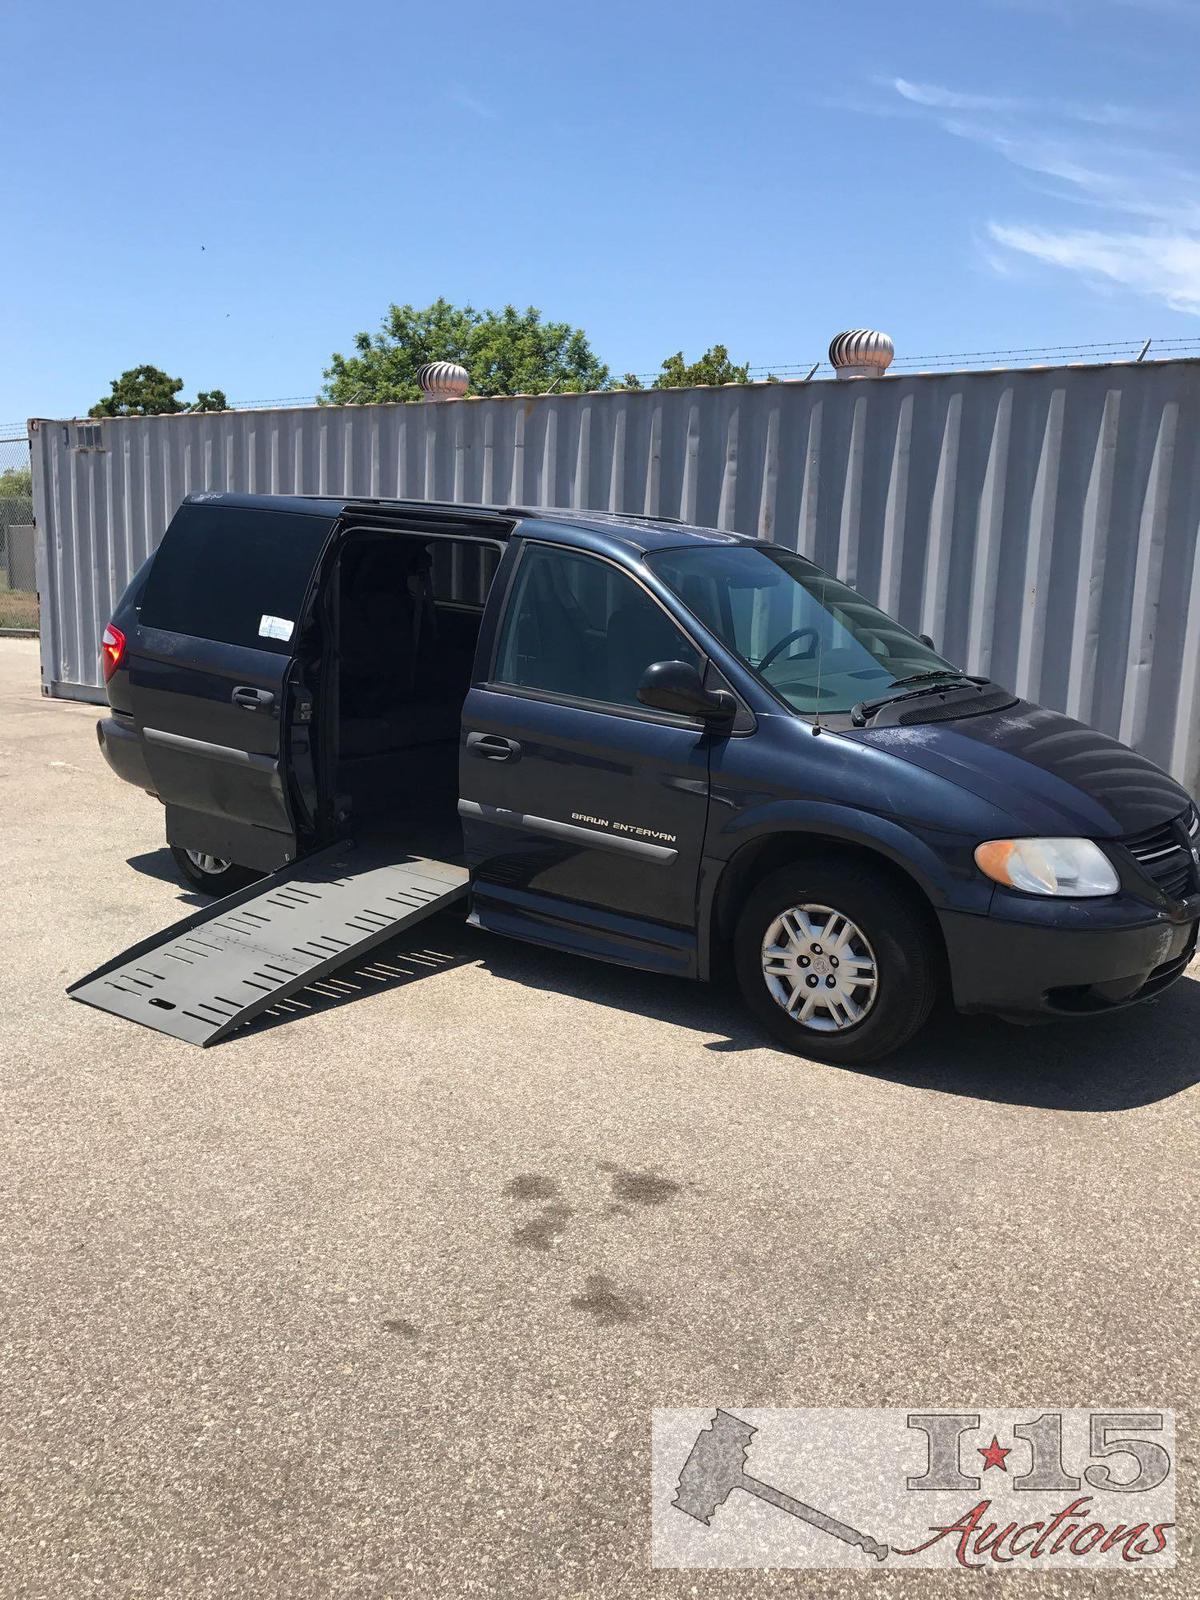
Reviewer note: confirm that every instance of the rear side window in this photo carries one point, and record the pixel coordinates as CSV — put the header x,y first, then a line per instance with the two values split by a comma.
x,y
235,575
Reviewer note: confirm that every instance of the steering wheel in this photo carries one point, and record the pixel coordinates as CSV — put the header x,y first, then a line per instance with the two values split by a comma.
x,y
789,638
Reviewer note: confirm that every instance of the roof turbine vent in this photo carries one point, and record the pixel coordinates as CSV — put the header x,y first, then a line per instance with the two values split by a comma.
x,y
443,380
861,353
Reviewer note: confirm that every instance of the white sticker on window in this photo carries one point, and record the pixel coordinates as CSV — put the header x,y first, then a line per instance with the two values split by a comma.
x,y
275,628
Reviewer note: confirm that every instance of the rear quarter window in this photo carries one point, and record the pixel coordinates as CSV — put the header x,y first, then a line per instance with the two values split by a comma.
x,y
234,575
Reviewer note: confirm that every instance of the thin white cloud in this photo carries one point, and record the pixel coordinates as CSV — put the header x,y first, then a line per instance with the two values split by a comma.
x,y
1103,114
940,98
1150,199
470,102
1165,267
1035,154
1135,182
1001,263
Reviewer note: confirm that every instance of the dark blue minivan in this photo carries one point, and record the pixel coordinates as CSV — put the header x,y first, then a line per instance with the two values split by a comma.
x,y
660,745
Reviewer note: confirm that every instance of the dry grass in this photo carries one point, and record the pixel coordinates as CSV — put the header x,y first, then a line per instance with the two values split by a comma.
x,y
18,609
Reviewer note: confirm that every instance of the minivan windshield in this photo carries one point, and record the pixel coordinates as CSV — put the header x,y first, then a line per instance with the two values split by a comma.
x,y
820,646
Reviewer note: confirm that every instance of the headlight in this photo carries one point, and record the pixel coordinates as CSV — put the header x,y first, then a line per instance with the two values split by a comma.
x,y
1048,866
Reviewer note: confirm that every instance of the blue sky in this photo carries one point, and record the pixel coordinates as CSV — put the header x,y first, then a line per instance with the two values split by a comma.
x,y
231,190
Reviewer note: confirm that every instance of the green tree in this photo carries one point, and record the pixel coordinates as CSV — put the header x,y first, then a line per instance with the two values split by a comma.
x,y
714,366
140,392
150,392
504,352
16,483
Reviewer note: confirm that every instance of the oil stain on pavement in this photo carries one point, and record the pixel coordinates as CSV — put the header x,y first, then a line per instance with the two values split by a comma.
x,y
601,1300
641,1188
545,1230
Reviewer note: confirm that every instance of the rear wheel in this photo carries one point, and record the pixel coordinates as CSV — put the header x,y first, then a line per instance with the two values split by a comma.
x,y
834,962
211,874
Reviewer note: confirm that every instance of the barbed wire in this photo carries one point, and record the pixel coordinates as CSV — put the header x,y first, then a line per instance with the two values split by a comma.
x,y
1024,355
1027,355
283,400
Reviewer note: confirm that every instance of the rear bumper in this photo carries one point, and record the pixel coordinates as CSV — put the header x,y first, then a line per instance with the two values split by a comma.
x,y
1073,960
123,750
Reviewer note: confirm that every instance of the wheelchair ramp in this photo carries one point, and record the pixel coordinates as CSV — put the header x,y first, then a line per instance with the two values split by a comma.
x,y
205,977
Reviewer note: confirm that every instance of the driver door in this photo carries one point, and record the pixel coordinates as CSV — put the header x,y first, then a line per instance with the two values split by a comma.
x,y
584,812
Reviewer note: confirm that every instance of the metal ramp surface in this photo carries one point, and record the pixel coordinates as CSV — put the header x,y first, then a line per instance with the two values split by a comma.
x,y
205,977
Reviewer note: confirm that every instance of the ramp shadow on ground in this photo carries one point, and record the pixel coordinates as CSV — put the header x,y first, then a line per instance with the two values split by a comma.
x,y
1130,1058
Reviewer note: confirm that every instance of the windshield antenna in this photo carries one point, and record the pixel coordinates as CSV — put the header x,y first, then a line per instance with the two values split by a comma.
x,y
820,652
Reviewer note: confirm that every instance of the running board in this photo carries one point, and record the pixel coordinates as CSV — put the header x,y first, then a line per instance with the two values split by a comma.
x,y
203,978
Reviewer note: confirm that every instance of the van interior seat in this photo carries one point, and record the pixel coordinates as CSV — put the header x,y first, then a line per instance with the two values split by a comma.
x,y
381,621
404,665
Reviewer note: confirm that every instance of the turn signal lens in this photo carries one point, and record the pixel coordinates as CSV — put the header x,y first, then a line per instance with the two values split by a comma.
x,y
112,648
1065,867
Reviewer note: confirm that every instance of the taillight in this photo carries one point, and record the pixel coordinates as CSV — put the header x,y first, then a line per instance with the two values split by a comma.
x,y
112,649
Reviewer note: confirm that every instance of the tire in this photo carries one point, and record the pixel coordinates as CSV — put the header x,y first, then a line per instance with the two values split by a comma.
x,y
887,938
216,878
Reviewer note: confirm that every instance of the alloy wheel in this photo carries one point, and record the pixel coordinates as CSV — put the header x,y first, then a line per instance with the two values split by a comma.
x,y
203,862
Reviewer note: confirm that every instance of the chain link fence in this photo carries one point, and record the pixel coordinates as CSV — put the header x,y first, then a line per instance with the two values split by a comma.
x,y
18,597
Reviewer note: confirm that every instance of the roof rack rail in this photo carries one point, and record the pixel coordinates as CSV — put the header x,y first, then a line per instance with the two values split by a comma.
x,y
599,514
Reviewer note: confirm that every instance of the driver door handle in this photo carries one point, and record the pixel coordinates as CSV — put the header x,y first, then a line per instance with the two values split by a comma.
x,y
491,747
251,699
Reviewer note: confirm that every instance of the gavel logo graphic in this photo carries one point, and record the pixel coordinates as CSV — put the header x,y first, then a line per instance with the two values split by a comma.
x,y
716,1467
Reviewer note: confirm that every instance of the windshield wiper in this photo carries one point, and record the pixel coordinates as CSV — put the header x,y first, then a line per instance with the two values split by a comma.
x,y
861,713
940,672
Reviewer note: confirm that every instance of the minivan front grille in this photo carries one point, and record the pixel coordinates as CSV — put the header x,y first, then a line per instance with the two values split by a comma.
x,y
1164,853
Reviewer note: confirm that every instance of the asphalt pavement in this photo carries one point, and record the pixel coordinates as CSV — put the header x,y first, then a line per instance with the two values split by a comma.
x,y
378,1300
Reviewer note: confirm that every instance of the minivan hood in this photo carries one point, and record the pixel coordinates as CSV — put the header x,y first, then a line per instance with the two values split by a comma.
x,y
1050,773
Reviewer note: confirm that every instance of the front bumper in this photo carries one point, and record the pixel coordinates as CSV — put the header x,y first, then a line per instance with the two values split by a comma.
x,y
1031,959
122,748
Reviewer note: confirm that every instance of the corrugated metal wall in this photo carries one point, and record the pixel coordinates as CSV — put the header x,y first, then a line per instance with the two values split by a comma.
x,y
1040,524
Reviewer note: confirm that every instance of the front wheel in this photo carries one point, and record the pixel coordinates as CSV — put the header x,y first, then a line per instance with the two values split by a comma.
x,y
211,874
834,962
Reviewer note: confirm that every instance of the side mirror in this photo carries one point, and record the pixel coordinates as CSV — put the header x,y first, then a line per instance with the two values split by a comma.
x,y
676,686
925,639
